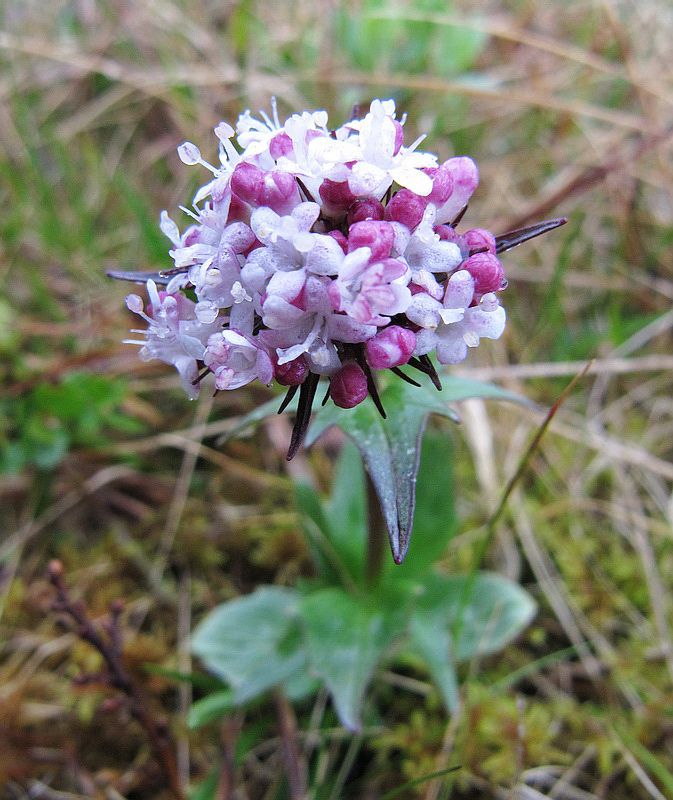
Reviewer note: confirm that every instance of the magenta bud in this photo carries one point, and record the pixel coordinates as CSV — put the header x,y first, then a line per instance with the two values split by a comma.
x,y
340,238
280,145
487,272
391,347
442,184
247,182
367,209
378,236
336,196
448,234
278,191
478,239
464,173
348,386
407,208
292,373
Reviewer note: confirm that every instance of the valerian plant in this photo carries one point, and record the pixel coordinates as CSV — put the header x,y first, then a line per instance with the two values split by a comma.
x,y
317,252
335,253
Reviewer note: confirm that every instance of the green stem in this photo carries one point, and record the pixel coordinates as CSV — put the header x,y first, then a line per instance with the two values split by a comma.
x,y
376,534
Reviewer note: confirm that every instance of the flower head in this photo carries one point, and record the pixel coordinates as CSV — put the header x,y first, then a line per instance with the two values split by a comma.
x,y
323,252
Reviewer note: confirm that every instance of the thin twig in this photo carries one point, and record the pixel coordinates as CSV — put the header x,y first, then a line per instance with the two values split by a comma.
x,y
294,761
117,677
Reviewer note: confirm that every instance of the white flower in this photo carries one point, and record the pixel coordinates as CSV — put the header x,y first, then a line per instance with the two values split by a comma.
x,y
174,336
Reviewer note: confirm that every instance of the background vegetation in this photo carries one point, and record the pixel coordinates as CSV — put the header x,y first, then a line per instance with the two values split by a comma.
x,y
568,110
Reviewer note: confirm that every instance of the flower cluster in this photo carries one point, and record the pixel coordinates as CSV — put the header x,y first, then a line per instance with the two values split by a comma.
x,y
318,252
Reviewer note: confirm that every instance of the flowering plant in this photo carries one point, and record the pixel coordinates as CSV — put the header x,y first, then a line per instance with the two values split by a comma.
x,y
317,252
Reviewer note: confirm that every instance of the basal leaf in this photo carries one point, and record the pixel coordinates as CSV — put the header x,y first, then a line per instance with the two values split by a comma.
x,y
252,642
430,638
483,612
346,638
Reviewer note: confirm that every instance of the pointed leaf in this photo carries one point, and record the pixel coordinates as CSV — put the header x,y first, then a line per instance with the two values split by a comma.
x,y
435,519
390,448
346,638
252,642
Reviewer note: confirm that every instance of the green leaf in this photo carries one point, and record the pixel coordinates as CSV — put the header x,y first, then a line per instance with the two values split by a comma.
x,y
346,638
390,448
252,642
435,519
431,640
346,512
210,708
483,612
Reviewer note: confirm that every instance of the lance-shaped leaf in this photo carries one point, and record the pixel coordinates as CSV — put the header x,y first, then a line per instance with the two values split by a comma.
x,y
390,448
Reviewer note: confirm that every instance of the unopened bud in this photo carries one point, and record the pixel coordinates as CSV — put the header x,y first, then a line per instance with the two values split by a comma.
x,y
442,184
391,347
247,182
361,210
407,208
478,239
292,373
279,192
378,236
348,387
336,196
487,272
280,145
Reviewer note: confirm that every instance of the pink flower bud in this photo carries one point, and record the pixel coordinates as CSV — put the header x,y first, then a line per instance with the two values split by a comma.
x,y
279,192
291,374
280,145
407,208
361,210
442,184
464,172
448,234
378,236
478,238
336,197
391,347
487,272
340,238
247,182
348,386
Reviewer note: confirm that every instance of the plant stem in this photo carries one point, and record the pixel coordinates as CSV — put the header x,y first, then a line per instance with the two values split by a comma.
x,y
376,534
